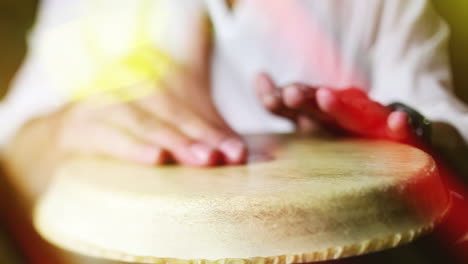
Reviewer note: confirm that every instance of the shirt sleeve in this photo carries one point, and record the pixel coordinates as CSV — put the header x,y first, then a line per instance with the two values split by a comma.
x,y
410,62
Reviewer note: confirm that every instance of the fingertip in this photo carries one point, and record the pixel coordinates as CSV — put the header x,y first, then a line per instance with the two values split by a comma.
x,y
149,155
293,96
271,102
307,124
327,101
268,94
203,155
264,84
397,123
234,150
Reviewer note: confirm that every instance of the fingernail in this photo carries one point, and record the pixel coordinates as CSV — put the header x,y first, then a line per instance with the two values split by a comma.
x,y
202,152
234,149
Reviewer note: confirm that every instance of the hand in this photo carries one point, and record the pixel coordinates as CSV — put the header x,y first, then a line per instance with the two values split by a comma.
x,y
177,122
348,110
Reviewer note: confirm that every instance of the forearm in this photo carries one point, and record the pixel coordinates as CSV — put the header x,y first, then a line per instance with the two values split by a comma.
x,y
31,157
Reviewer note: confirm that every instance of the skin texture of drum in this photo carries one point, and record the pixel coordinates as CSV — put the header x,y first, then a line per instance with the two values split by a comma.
x,y
298,200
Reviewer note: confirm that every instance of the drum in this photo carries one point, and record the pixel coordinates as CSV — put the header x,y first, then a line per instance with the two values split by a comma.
x,y
299,199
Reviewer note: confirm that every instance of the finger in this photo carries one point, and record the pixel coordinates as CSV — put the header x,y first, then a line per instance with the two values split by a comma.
x,y
183,149
298,96
194,126
307,125
271,98
103,140
234,151
294,96
302,98
398,127
353,111
328,102
267,92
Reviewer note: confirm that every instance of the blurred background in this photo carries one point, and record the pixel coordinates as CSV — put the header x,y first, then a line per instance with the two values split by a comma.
x,y
16,19
455,12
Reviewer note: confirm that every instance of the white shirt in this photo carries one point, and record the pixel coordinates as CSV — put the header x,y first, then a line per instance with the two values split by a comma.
x,y
394,49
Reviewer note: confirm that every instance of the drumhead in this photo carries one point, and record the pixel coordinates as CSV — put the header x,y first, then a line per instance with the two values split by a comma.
x,y
299,199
